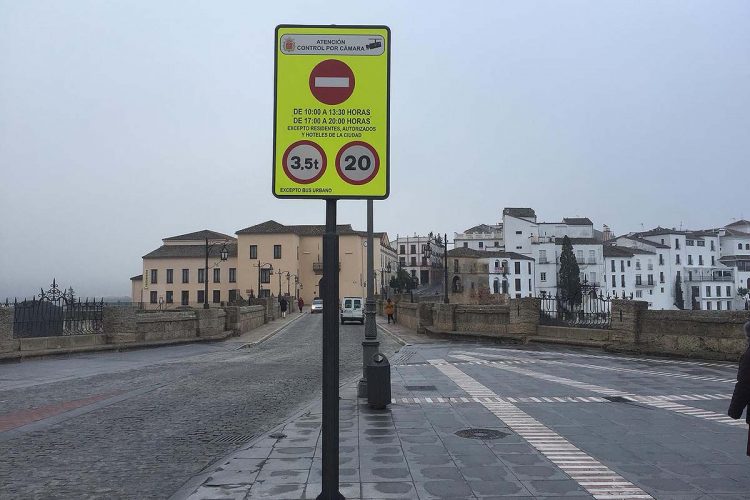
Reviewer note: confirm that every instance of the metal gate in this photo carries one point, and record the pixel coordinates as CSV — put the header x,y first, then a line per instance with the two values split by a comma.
x,y
585,311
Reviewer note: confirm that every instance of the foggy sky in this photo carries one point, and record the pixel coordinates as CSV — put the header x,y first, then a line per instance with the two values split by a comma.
x,y
122,123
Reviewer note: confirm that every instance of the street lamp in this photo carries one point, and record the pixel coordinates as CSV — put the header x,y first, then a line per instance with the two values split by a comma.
x,y
288,279
280,273
260,267
446,300
383,270
223,255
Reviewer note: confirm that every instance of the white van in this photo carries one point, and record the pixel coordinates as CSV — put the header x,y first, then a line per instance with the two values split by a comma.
x,y
352,309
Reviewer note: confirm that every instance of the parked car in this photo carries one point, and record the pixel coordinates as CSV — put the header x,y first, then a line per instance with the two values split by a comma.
x,y
351,310
317,306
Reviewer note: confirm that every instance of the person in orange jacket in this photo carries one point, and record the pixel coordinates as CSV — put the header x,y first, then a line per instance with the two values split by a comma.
x,y
389,311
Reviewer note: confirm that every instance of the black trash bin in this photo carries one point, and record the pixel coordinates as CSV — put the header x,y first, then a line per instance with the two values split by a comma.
x,y
378,382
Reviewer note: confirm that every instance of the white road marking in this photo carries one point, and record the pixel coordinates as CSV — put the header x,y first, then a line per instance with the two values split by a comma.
x,y
685,410
609,484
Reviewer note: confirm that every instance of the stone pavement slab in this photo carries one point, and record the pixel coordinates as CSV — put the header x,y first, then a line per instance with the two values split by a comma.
x,y
479,421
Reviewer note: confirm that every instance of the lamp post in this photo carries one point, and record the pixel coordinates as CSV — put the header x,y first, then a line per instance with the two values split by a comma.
x,y
446,300
279,272
223,255
288,279
260,267
383,288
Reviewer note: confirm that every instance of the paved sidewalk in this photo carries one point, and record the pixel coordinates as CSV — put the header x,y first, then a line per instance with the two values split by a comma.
x,y
478,421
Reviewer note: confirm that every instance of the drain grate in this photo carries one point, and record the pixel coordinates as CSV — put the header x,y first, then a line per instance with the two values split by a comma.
x,y
618,399
420,388
233,439
483,434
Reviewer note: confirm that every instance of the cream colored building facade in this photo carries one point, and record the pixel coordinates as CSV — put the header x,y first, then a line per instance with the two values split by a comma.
x,y
284,258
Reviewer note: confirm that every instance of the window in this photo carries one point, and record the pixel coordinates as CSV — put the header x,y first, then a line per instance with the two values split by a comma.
x,y
650,279
708,291
201,275
481,244
466,244
718,291
413,261
718,305
592,256
622,280
265,275
579,256
614,281
200,297
689,243
701,243
662,241
713,260
217,275
637,264
497,243
677,259
455,265
497,264
628,263
184,297
613,265
542,276
677,244
529,267
700,260
622,266
233,275
638,280
638,294
529,287
402,261
713,246
217,296
413,249
519,232
729,291
170,275
516,268
402,249
747,246
232,295
729,306
152,297
414,274
649,266
661,259
154,276
542,256
690,275
277,251
253,251
186,275
708,305
661,277
170,296
518,285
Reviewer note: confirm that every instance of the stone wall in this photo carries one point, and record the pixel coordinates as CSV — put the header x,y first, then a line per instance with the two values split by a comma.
x,y
705,334
634,328
130,327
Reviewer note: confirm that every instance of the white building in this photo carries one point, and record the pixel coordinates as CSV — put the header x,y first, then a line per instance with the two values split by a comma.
x,y
481,237
421,257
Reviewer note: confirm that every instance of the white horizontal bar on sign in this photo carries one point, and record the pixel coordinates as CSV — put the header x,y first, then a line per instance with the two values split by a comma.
x,y
332,81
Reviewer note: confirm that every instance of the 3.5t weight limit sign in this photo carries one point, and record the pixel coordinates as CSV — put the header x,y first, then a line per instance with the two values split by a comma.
x,y
331,105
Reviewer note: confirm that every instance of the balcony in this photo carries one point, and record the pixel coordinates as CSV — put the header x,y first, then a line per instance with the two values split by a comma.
x,y
710,277
318,267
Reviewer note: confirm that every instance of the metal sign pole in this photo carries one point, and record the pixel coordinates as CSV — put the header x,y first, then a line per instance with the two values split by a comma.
x,y
370,344
330,468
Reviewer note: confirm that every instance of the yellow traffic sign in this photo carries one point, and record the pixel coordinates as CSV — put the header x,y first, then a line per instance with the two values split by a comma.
x,y
331,112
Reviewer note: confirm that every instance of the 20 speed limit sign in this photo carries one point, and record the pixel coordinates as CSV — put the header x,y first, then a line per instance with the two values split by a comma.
x,y
331,104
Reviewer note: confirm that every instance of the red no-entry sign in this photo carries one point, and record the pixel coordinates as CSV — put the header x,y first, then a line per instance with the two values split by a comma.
x,y
331,81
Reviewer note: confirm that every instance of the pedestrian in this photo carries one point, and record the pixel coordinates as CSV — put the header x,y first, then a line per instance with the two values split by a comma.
x,y
300,303
389,311
282,305
741,395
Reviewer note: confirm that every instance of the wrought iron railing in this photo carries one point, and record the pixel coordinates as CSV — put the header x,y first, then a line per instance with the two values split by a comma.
x,y
584,311
56,313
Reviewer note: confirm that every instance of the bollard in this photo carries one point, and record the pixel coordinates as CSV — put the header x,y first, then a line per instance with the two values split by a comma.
x,y
378,382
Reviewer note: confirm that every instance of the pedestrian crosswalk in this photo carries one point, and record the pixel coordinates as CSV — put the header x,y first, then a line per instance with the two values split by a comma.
x,y
559,399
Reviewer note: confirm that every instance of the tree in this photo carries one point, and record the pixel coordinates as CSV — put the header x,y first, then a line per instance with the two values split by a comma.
x,y
679,300
402,282
569,278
